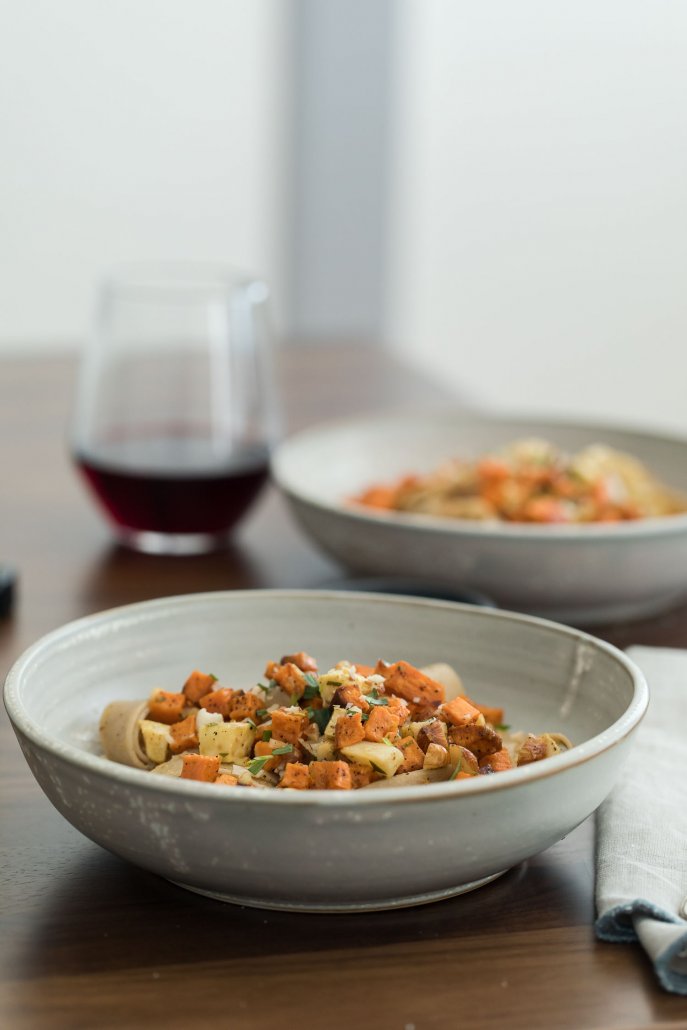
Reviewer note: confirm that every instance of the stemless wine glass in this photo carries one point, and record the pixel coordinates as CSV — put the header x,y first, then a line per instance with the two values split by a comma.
x,y
175,408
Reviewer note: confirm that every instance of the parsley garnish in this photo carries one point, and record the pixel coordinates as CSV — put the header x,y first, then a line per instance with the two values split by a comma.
x,y
320,716
312,690
261,712
375,699
266,734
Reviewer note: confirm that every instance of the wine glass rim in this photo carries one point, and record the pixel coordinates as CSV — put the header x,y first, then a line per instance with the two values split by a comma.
x,y
149,279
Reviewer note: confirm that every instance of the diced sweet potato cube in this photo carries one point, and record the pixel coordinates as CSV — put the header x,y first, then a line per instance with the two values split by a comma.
x,y
496,762
198,685
227,779
295,776
349,730
380,723
302,659
165,706
491,714
244,706
184,735
289,726
433,732
413,757
330,776
398,707
350,694
460,712
217,701
481,740
421,692
200,767
361,775
364,670
289,677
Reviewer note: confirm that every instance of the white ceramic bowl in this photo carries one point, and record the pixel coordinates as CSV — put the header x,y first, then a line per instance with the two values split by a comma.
x,y
579,574
324,850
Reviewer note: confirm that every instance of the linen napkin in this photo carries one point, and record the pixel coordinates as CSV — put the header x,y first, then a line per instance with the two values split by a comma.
x,y
641,860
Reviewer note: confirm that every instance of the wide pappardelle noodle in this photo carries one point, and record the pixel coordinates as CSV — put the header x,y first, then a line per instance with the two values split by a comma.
x,y
352,726
533,481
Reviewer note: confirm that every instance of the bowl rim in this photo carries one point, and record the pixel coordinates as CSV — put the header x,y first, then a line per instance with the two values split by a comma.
x,y
592,532
103,767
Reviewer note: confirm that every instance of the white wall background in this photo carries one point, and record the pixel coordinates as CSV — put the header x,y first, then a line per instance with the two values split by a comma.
x,y
135,129
539,228
496,189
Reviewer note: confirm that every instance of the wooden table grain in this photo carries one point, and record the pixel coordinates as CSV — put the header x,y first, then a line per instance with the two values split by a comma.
x,y
88,941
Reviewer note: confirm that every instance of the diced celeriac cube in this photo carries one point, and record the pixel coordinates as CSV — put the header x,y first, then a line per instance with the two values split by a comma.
x,y
329,683
205,718
232,741
323,750
384,757
156,739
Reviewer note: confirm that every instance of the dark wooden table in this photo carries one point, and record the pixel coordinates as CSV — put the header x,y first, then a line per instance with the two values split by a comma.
x,y
88,941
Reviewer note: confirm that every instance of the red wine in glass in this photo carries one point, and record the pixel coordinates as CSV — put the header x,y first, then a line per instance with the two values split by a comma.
x,y
175,409
173,485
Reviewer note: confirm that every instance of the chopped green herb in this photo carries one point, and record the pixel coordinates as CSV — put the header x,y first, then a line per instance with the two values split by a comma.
x,y
212,677
266,735
457,769
261,712
312,680
256,765
502,727
321,717
293,700
387,741
261,686
285,750
375,699
250,723
311,691
333,683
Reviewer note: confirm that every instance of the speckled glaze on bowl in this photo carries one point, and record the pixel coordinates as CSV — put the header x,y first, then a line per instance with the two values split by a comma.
x,y
578,574
323,850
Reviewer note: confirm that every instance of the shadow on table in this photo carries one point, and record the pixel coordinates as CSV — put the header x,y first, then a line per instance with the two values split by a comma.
x,y
121,576
106,915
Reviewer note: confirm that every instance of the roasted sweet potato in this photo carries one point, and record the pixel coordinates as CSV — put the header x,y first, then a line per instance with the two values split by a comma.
x,y
198,685
289,726
380,723
349,729
200,767
184,735
218,701
295,776
165,706
330,776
